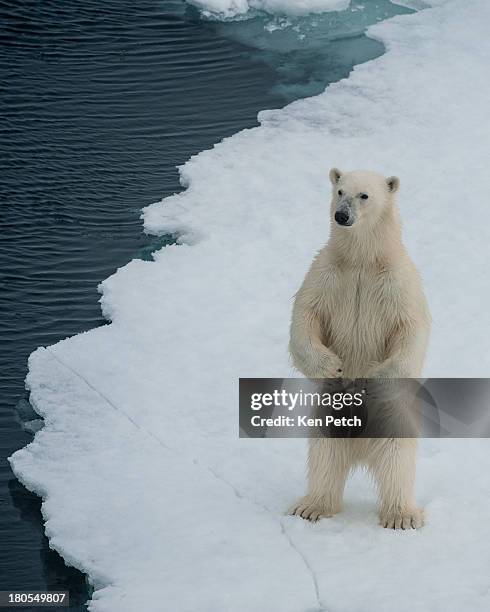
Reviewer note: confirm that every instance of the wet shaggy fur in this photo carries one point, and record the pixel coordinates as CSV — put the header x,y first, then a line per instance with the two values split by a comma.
x,y
361,312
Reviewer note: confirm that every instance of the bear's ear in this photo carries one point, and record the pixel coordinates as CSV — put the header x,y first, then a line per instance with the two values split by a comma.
x,y
393,183
335,175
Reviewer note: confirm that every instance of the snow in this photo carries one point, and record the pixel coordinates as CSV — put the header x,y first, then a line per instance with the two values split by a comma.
x,y
146,486
236,8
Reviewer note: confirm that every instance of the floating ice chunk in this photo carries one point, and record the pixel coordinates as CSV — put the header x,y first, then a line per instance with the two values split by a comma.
x,y
236,8
33,426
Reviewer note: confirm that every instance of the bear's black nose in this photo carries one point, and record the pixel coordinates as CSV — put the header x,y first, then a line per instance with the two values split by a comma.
x,y
341,217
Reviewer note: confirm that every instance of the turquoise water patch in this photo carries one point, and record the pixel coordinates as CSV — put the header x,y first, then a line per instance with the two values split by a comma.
x,y
308,52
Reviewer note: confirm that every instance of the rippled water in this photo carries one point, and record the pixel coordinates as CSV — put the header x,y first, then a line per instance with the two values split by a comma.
x,y
99,101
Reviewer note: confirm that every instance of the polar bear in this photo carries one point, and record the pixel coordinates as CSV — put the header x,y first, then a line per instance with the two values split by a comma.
x,y
361,312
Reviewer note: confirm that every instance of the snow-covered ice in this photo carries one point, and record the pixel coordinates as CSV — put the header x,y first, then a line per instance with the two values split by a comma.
x,y
237,8
147,487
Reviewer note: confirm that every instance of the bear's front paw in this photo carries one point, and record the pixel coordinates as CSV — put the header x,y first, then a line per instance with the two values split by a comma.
x,y
328,365
412,518
387,369
312,509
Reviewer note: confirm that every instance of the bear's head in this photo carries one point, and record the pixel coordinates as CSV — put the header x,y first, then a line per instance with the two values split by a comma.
x,y
361,199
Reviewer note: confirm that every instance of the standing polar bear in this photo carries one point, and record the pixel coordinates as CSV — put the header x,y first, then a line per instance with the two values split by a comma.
x,y
361,312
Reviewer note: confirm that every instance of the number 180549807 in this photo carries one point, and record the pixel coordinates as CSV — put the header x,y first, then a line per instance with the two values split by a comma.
x,y
34,598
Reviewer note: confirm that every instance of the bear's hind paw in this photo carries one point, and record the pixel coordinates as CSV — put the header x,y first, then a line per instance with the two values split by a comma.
x,y
408,519
312,509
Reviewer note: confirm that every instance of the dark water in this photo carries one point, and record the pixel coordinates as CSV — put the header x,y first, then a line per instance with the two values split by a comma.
x,y
99,101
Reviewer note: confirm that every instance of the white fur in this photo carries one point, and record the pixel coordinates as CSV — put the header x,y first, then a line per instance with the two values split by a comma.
x,y
361,312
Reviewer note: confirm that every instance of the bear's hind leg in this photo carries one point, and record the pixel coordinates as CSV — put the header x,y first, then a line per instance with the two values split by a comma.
x,y
329,463
392,462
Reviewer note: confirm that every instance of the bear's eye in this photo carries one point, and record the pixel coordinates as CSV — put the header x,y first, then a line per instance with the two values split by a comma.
x,y
363,196
340,191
